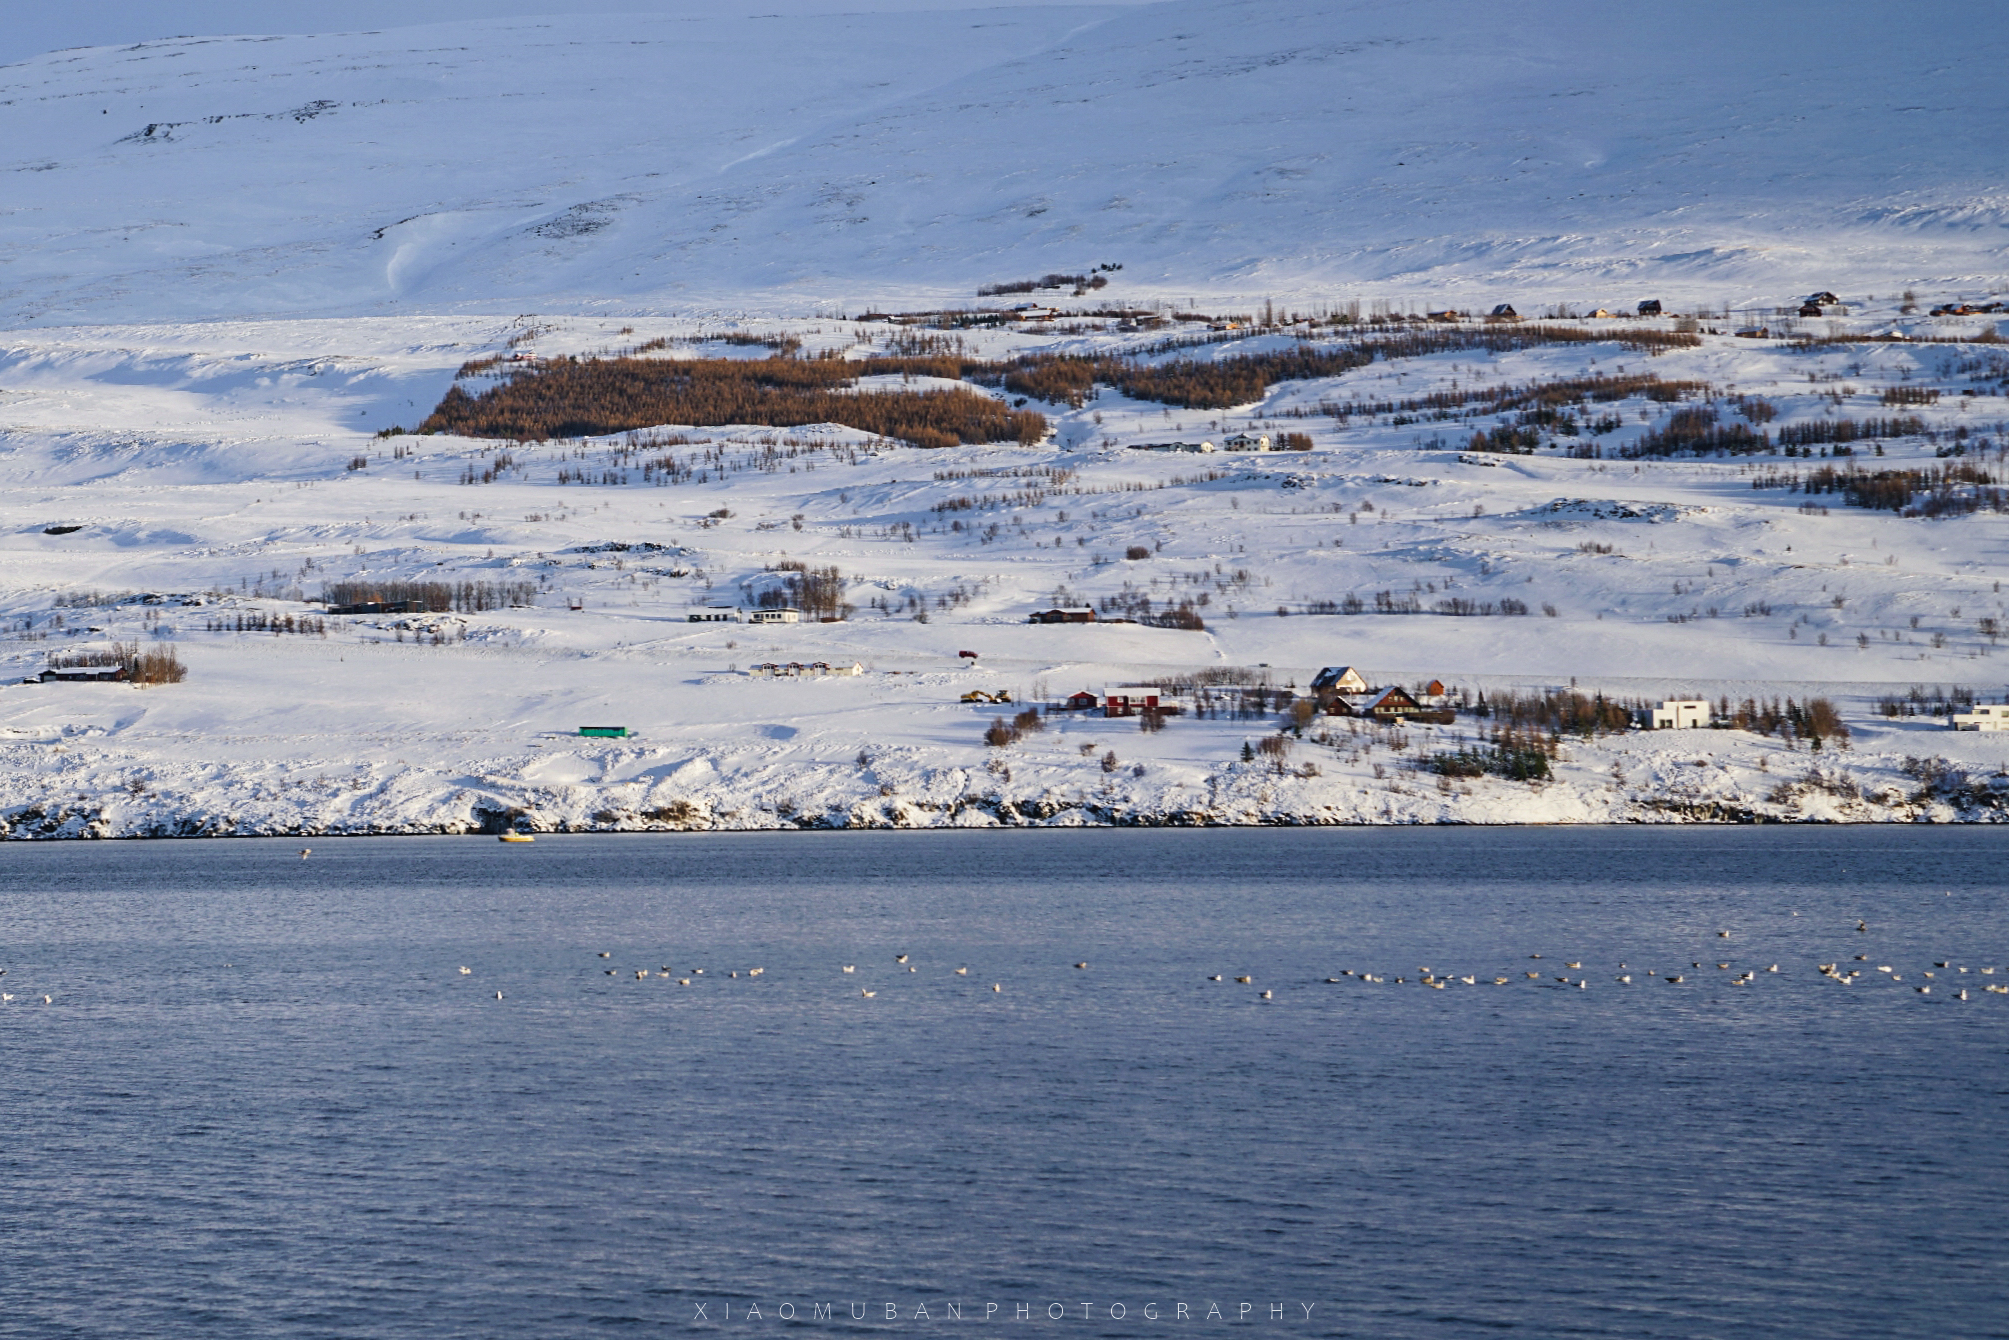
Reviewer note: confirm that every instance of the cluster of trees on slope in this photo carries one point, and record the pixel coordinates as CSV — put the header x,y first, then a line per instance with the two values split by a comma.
x,y
1245,378
569,398
581,398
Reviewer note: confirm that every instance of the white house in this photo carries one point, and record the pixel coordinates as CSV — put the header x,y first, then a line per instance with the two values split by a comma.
x,y
1248,442
714,614
775,616
1984,716
1681,714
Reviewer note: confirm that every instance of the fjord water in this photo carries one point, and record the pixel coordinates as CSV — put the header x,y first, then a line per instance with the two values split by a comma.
x,y
265,1101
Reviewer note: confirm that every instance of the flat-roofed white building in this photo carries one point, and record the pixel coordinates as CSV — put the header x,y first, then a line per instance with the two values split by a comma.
x,y
1983,716
1681,714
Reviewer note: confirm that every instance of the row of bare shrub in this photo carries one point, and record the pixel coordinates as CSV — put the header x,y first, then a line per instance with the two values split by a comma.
x,y
433,597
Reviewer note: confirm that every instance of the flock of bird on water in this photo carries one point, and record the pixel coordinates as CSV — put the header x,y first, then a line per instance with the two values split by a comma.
x,y
1834,972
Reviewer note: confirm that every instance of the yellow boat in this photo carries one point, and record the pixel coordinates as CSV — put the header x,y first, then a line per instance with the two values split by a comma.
x,y
516,837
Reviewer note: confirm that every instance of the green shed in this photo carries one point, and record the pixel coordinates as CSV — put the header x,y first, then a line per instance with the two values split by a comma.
x,y
605,732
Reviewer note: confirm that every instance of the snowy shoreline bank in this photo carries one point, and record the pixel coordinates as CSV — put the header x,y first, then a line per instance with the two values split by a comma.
x,y
1851,789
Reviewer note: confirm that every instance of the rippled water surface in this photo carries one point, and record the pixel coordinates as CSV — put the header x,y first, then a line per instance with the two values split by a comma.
x,y
263,1100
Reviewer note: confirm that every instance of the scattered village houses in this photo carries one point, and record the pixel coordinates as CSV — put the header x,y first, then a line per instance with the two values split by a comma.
x,y
1248,442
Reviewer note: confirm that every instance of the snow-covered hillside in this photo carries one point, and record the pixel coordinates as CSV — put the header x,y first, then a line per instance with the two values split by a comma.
x,y
182,486
1435,151
227,264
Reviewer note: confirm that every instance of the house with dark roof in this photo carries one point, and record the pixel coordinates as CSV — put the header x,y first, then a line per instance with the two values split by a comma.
x,y
1339,679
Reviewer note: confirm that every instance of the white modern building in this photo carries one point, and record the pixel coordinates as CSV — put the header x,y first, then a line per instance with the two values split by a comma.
x,y
775,616
1983,716
1681,714
714,614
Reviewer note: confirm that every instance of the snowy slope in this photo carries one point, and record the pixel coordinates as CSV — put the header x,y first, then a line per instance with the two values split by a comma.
x,y
1438,151
205,469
